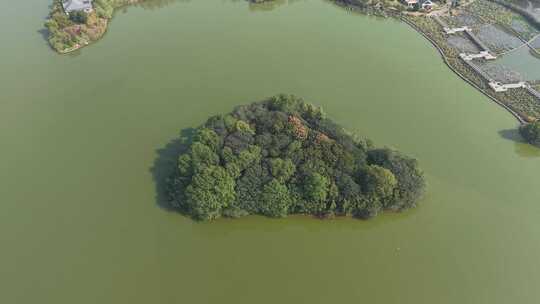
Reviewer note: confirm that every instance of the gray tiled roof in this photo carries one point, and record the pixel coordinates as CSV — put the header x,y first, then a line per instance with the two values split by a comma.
x,y
76,5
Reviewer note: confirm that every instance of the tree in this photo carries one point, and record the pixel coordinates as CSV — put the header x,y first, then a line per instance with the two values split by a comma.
x,y
202,156
238,141
275,199
249,188
316,188
282,169
104,8
242,126
209,138
379,183
211,190
185,165
531,133
52,25
348,188
285,103
249,157
410,178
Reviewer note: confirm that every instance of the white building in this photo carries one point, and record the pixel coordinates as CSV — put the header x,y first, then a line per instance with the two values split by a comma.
x,y
77,5
427,5
424,4
410,3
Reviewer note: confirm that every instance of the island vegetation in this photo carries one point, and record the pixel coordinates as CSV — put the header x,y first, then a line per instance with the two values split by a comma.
x,y
531,133
283,156
70,31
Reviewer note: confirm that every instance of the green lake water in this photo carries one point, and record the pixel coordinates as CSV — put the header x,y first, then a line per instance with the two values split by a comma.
x,y
79,217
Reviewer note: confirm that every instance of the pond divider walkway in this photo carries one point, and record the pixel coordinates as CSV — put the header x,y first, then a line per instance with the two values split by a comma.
x,y
478,42
525,44
485,52
499,87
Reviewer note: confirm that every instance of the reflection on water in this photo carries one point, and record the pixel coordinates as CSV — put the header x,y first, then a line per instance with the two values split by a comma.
x,y
262,6
167,158
151,4
157,4
222,227
526,150
522,148
266,6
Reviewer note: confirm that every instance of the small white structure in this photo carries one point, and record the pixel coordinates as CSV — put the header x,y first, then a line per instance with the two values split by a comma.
x,y
427,5
499,87
483,54
423,4
77,5
410,3
456,29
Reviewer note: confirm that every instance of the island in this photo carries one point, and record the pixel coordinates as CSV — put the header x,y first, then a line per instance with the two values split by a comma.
x,y
73,24
531,133
283,156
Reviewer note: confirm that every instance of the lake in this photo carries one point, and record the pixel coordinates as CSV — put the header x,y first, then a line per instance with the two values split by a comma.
x,y
79,215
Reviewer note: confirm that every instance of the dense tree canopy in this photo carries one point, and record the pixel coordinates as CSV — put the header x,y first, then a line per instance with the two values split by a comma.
x,y
283,156
531,133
